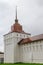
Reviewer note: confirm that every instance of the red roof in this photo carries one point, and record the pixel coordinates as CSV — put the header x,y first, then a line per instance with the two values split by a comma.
x,y
31,39
16,27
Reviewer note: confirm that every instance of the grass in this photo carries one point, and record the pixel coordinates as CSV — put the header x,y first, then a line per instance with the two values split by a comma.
x,y
21,64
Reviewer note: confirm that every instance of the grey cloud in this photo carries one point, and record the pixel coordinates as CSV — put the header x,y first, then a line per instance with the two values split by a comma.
x,y
4,6
39,2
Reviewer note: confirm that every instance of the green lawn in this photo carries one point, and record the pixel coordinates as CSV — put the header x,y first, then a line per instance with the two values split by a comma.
x,y
22,64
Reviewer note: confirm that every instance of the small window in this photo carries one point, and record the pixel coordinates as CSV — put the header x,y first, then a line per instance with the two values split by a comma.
x,y
24,35
17,34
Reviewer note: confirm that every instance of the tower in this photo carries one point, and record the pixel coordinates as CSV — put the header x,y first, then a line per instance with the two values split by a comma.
x,y
11,48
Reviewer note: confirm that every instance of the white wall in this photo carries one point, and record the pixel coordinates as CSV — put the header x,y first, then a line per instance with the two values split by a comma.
x,y
11,48
32,52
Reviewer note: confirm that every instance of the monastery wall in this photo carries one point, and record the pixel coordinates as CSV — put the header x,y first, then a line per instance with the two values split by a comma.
x,y
32,52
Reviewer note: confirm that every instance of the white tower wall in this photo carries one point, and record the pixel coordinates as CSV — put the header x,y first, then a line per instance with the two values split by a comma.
x,y
11,48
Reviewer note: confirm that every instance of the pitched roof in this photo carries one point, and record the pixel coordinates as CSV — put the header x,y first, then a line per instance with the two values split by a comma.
x,y
31,39
24,41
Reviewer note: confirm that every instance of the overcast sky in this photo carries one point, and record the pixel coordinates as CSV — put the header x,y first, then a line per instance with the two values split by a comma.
x,y
30,16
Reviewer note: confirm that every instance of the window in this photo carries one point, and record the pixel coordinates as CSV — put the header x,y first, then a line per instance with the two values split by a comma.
x,y
17,34
24,35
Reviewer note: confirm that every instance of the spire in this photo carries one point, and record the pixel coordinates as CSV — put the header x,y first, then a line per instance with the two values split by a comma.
x,y
16,12
16,20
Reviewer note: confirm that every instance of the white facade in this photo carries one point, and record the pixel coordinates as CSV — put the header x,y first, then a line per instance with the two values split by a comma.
x,y
28,53
12,50
32,52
